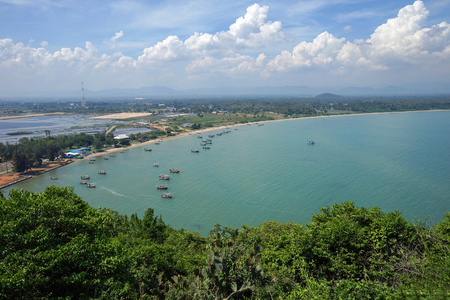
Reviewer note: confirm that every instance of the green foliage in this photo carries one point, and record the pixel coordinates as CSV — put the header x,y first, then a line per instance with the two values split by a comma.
x,y
54,245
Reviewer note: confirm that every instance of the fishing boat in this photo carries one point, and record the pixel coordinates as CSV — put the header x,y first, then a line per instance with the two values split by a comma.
x,y
92,159
102,172
92,162
112,155
157,143
83,182
90,185
195,150
199,137
202,144
53,178
166,195
174,171
209,142
310,142
85,177
155,164
211,135
105,158
162,187
206,147
164,177
147,149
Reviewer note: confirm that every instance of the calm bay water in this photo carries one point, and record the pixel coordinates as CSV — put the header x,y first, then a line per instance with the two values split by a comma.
x,y
262,173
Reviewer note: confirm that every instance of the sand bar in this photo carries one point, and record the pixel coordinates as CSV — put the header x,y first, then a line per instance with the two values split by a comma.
x,y
121,116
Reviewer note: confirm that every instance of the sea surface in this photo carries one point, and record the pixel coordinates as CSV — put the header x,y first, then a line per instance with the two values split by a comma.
x,y
258,173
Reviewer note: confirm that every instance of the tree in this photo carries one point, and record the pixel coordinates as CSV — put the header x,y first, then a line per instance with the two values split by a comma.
x,y
21,162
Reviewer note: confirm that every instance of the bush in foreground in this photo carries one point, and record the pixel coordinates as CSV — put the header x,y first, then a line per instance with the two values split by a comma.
x,y
54,245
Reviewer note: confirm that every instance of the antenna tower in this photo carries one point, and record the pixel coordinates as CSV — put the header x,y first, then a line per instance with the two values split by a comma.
x,y
83,103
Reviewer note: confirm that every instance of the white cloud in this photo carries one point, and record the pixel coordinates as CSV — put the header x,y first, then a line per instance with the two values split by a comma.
x,y
250,31
117,36
399,44
399,41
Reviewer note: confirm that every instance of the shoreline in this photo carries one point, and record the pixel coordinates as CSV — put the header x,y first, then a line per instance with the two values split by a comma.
x,y
31,115
114,150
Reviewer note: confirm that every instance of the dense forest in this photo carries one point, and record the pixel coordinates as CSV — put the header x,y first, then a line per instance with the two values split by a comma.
x,y
54,245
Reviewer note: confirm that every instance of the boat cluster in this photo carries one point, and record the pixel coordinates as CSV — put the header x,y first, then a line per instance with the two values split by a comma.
x,y
205,143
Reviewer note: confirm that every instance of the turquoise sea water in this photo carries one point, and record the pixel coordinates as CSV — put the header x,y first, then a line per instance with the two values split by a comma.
x,y
262,173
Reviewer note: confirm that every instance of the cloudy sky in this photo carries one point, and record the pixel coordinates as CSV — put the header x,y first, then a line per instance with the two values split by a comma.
x,y
53,45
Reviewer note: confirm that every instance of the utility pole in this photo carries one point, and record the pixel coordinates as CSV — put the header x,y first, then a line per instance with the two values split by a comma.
x,y
83,103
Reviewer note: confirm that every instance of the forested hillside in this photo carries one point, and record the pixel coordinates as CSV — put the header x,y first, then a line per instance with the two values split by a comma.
x,y
54,245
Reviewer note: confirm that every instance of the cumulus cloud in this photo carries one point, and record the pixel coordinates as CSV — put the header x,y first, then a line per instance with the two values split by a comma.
x,y
400,42
252,30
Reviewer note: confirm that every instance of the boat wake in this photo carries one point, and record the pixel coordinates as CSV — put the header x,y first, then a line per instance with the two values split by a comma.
x,y
112,192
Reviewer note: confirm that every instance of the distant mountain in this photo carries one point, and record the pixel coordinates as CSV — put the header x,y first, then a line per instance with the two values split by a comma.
x,y
268,91
327,95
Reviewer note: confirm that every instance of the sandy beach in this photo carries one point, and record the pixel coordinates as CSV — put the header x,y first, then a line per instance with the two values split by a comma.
x,y
12,178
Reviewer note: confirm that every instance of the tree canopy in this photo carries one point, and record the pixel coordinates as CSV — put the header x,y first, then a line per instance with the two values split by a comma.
x,y
54,245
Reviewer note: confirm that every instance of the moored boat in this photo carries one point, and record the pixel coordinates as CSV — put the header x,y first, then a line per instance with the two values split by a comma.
x,y
164,177
166,195
162,187
147,149
102,172
83,182
310,142
195,150
174,171
90,185
206,147
53,178
85,176
156,164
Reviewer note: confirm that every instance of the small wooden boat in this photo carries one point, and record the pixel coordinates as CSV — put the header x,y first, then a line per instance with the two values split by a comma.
x,y
112,155
166,195
211,135
155,164
162,187
174,171
164,177
92,159
101,172
310,142
195,150
92,162
90,185
83,182
105,158
85,177
53,178
147,149
206,147
157,143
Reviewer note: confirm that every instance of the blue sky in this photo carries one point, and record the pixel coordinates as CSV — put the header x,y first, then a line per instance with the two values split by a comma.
x,y
49,45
